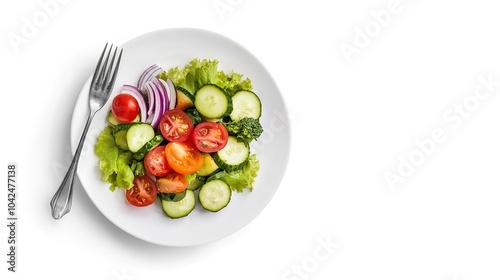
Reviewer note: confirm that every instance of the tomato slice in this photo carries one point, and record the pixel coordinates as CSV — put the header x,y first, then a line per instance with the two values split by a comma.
x,y
183,157
125,108
143,193
175,125
155,162
173,182
210,137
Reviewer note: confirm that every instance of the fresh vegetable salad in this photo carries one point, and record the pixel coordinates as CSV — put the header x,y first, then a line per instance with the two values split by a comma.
x,y
182,135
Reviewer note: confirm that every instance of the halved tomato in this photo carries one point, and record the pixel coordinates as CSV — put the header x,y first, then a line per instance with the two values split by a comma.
x,y
155,162
210,137
175,125
173,182
183,157
143,193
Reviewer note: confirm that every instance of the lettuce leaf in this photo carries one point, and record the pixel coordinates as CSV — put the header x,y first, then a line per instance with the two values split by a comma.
x,y
113,162
240,179
198,73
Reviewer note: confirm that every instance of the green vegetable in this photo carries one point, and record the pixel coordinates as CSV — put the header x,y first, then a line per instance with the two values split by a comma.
x,y
138,167
198,73
214,195
240,179
246,129
195,181
194,115
113,162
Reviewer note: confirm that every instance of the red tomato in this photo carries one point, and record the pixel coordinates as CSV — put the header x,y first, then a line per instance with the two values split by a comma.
x,y
143,193
210,137
125,108
183,157
173,182
175,125
155,162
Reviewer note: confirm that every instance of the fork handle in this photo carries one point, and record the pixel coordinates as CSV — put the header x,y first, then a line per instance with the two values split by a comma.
x,y
61,202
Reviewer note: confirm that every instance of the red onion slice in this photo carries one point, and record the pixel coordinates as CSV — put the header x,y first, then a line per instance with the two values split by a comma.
x,y
147,75
151,102
173,94
158,106
168,94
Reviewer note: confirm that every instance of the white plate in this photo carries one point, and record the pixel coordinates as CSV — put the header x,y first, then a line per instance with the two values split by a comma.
x,y
176,47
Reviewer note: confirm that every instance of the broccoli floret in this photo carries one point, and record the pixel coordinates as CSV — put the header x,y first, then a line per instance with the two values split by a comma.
x,y
246,129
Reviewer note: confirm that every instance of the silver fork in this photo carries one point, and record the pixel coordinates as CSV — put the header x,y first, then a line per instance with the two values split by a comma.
x,y
100,88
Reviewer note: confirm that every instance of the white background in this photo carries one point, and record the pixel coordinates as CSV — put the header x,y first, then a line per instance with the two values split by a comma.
x,y
351,123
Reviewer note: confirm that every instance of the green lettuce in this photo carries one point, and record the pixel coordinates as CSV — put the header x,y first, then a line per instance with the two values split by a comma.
x,y
201,72
244,178
113,162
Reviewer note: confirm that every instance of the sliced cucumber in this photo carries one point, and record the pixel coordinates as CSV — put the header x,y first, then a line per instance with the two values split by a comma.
x,y
196,183
181,208
245,104
233,156
153,143
124,127
209,166
214,195
111,118
212,102
121,140
138,135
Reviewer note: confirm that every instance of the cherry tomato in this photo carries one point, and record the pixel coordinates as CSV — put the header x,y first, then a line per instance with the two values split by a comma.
x,y
173,182
183,157
210,137
175,125
143,193
155,162
125,108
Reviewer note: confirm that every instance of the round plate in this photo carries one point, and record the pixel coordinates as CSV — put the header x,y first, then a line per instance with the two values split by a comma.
x,y
175,48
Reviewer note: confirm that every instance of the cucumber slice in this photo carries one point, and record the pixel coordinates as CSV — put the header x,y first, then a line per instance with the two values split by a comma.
x,y
111,118
181,208
153,143
245,104
138,135
233,156
212,102
121,140
209,166
196,183
124,126
214,195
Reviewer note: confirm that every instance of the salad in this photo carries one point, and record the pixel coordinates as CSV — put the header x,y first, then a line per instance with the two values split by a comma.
x,y
182,135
